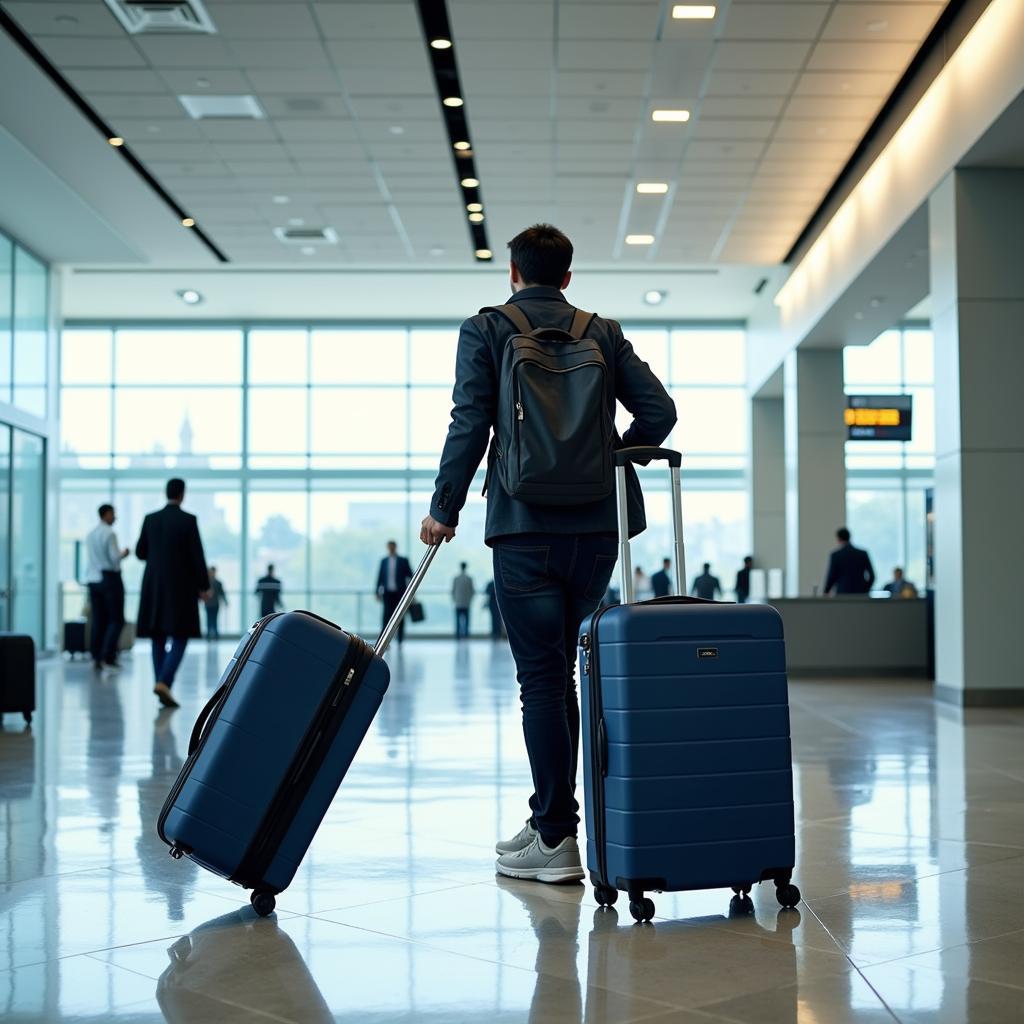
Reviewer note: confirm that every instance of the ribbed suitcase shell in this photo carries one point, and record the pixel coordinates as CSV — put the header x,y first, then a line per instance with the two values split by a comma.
x,y
224,789
695,774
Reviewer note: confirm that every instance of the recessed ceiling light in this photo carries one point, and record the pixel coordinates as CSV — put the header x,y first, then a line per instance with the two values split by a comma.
x,y
670,116
116,140
296,222
452,101
202,83
655,297
652,188
190,296
441,44
280,200
461,145
876,302
474,207
858,315
188,222
639,239
878,26
693,12
476,218
308,250
484,254
469,182
396,129
436,250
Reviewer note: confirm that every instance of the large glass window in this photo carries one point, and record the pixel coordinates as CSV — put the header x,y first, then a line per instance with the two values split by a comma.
x,y
310,446
24,291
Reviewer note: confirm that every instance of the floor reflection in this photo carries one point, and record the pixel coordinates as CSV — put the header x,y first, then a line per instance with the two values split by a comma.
x,y
910,858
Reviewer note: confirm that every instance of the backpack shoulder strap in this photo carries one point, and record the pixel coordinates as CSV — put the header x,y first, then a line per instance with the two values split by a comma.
x,y
580,324
511,312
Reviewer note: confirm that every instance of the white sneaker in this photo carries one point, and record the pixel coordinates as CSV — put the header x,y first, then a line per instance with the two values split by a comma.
x,y
539,863
523,837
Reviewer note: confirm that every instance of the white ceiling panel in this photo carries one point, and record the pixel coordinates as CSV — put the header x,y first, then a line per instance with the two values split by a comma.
x,y
385,82
529,21
384,19
278,53
505,54
751,83
769,56
231,130
636,20
882,22
873,56
133,81
379,53
116,105
820,128
271,81
860,109
69,52
86,19
742,106
612,55
304,107
501,82
845,83
205,81
602,83
732,128
262,21
790,21
201,52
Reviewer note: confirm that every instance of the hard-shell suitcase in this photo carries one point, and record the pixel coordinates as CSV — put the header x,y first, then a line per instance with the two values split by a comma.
x,y
687,760
76,639
17,674
273,744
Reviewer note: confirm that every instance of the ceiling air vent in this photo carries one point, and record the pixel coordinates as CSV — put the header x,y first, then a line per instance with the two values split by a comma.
x,y
138,16
307,236
202,107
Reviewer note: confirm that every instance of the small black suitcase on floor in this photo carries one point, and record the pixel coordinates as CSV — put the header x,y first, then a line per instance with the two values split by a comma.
x,y
17,674
75,637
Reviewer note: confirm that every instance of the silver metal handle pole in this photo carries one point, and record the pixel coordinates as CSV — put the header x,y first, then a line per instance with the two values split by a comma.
x,y
625,561
677,530
403,605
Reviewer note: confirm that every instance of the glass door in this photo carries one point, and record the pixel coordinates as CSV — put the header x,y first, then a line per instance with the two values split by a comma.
x,y
5,527
27,518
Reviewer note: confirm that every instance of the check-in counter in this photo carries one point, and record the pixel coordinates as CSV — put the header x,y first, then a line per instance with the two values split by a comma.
x,y
855,636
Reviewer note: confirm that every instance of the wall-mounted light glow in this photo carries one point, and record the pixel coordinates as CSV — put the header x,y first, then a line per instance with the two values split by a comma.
x,y
474,207
460,146
693,12
667,116
655,297
652,188
116,140
441,44
188,222
469,182
452,101
484,254
190,296
639,239
476,218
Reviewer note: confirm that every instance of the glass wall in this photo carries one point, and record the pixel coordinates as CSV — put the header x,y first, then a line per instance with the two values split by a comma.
x,y
310,446
886,480
23,328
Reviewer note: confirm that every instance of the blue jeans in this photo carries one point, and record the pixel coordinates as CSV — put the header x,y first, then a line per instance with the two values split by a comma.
x,y
166,661
461,622
547,584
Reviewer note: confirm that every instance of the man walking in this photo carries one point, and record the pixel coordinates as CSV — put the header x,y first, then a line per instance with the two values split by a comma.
x,y
552,561
743,581
462,597
660,582
268,590
174,581
849,568
212,603
106,589
706,586
393,577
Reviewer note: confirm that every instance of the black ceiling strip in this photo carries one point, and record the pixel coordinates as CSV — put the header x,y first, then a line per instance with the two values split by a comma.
x,y
936,49
435,25
14,30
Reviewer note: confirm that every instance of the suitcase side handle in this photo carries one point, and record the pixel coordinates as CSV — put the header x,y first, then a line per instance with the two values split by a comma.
x,y
204,716
627,455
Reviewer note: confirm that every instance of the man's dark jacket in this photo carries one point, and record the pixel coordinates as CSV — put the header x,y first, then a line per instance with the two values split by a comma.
x,y
403,574
849,571
475,397
661,584
175,574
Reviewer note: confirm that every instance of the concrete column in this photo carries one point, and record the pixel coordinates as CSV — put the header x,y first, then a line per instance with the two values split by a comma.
x,y
815,439
977,291
768,483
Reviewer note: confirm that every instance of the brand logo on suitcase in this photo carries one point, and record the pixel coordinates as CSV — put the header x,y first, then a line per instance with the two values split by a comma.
x,y
707,652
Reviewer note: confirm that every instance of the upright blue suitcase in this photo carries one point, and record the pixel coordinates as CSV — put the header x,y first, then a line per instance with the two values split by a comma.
x,y
271,747
685,720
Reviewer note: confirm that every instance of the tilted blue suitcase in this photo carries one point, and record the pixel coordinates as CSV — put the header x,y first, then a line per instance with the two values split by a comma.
x,y
687,760
272,745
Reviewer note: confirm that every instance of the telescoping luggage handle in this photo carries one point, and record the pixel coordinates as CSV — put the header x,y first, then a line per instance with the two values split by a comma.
x,y
675,461
403,605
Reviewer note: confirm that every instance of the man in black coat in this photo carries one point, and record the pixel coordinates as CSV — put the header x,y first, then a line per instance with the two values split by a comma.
x,y
392,579
743,581
660,582
174,581
849,569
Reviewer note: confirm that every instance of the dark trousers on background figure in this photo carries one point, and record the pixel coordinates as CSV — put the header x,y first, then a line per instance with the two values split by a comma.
x,y
106,599
212,612
390,602
461,622
547,584
166,659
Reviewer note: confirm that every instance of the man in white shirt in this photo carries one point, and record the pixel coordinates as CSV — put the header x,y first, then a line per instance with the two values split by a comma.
x,y
106,590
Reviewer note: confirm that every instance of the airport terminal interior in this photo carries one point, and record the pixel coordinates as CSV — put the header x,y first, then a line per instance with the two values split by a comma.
x,y
237,242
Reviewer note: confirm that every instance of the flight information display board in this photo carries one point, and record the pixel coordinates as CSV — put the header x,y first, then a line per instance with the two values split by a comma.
x,y
878,417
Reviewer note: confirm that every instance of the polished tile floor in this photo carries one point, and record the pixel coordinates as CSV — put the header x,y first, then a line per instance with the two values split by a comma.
x,y
910,856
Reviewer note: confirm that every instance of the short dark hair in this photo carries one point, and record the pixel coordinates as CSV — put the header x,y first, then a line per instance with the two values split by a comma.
x,y
463,565
843,534
104,509
748,558
543,255
666,562
175,488
707,566
270,567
